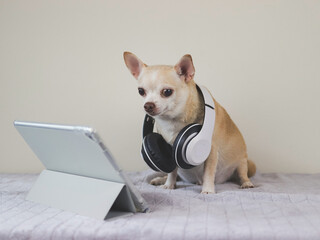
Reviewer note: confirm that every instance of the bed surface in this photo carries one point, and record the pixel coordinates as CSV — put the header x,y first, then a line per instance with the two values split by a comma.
x,y
282,206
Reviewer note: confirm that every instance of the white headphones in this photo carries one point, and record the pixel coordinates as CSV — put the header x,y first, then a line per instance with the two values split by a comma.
x,y
191,147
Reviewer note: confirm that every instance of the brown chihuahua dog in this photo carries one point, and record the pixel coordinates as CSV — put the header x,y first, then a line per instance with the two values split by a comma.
x,y
171,98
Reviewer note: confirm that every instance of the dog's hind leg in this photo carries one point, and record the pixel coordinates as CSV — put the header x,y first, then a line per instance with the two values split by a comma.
x,y
243,174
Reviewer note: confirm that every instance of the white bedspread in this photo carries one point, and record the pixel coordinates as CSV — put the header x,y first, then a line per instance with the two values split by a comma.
x,y
282,206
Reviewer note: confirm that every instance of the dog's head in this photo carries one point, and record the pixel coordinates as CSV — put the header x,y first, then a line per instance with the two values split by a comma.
x,y
165,89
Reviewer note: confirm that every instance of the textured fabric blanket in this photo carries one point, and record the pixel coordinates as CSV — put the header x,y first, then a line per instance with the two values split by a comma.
x,y
282,206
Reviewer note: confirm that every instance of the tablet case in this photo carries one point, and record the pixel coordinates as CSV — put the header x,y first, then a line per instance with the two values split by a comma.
x,y
80,176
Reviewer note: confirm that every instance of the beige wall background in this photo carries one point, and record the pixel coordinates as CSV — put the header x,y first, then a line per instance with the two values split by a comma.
x,y
61,62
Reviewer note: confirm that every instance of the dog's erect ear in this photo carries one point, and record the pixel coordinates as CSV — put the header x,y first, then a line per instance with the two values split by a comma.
x,y
185,68
134,64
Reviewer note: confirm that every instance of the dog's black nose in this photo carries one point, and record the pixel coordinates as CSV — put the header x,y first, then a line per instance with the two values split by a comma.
x,y
149,107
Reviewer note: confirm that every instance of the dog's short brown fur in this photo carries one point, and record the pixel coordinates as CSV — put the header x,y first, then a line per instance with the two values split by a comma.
x,y
184,106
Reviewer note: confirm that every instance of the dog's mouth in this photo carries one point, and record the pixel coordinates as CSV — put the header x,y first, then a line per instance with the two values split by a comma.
x,y
152,113
156,112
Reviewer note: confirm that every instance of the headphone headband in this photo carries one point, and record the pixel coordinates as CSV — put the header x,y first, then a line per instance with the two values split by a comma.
x,y
147,125
200,146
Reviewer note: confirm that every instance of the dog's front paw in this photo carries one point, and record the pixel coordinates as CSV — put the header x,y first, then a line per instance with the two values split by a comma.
x,y
168,186
158,181
247,184
208,190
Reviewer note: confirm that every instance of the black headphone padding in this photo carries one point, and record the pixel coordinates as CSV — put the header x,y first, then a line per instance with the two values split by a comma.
x,y
180,141
159,152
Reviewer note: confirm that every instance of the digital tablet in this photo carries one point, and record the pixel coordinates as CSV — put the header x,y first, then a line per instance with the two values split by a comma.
x,y
76,150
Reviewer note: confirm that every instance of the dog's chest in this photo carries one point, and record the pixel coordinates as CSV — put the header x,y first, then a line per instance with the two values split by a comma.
x,y
169,129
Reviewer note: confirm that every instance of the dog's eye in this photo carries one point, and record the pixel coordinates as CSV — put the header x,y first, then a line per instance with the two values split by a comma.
x,y
142,92
166,92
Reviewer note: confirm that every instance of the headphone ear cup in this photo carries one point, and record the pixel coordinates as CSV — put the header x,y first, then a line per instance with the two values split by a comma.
x,y
181,143
157,153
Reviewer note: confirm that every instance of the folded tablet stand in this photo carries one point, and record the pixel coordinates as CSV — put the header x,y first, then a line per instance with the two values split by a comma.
x,y
86,196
